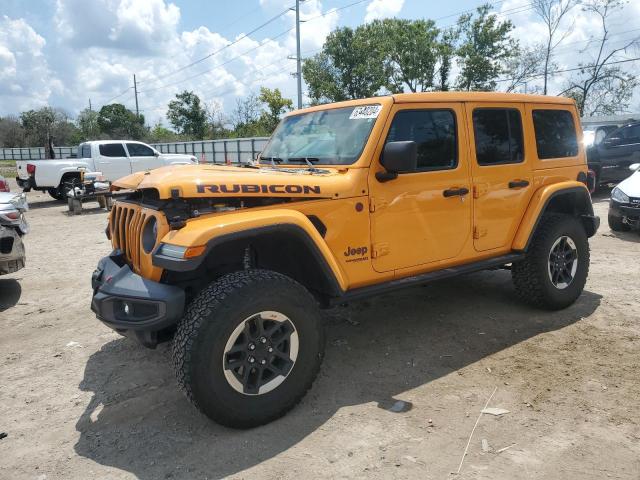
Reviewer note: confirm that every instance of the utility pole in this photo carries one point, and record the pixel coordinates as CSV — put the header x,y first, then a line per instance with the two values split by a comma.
x,y
135,90
90,105
298,59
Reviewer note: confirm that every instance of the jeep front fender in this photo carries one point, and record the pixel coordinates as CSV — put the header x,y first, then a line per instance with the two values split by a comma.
x,y
212,231
569,197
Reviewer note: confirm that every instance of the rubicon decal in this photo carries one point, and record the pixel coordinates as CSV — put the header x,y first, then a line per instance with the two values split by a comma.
x,y
252,188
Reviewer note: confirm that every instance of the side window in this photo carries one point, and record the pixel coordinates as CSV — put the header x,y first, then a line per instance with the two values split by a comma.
x,y
630,135
112,150
86,151
434,132
139,150
555,134
498,133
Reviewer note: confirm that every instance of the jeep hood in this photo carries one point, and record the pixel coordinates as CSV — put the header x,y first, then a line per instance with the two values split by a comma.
x,y
201,181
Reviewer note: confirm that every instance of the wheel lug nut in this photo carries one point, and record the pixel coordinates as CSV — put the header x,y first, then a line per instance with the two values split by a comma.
x,y
263,361
270,349
252,360
252,346
263,340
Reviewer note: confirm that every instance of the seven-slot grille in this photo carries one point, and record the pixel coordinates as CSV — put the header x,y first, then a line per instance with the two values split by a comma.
x,y
125,226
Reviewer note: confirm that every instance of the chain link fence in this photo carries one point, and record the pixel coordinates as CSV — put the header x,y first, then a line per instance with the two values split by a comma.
x,y
236,150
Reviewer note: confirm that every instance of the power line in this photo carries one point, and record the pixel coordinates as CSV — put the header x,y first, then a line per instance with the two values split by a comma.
x,y
246,35
213,68
117,96
566,70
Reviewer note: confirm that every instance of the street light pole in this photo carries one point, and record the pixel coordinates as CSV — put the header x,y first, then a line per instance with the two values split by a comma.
x,y
298,59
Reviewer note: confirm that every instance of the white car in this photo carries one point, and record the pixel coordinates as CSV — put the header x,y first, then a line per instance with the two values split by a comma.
x,y
624,207
113,158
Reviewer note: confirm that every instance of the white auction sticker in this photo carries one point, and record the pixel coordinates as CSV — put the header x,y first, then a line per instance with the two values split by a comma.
x,y
366,111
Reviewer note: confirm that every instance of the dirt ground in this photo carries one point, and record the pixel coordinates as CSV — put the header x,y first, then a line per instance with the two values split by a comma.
x,y
78,401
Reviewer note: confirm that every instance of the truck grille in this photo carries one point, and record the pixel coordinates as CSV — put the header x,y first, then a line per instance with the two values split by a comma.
x,y
126,224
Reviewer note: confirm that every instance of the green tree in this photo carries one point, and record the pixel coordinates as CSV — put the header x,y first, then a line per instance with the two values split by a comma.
x,y
485,46
187,115
117,121
47,122
88,124
351,65
276,105
410,49
160,133
600,87
11,132
446,54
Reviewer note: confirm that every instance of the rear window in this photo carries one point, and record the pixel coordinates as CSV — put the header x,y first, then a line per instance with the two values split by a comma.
x,y
555,134
112,150
498,133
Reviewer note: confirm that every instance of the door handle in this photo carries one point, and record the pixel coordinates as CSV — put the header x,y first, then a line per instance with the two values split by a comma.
x,y
455,192
518,183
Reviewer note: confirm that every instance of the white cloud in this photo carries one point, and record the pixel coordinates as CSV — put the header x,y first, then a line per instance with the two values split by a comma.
x,y
25,78
383,9
132,25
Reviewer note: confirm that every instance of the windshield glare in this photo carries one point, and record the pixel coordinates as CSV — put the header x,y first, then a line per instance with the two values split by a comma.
x,y
329,137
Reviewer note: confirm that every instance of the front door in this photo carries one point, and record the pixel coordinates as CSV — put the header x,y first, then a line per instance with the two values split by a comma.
x,y
423,216
142,157
501,171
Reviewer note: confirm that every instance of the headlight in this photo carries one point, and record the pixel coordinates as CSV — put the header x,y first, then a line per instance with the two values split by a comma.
x,y
618,195
149,234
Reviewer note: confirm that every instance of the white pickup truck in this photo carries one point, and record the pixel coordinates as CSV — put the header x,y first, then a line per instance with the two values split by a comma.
x,y
113,158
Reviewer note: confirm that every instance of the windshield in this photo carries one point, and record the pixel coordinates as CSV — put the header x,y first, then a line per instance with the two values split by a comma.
x,y
327,137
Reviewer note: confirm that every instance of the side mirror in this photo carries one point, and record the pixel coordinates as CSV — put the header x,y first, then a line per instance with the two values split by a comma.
x,y
156,153
398,157
634,167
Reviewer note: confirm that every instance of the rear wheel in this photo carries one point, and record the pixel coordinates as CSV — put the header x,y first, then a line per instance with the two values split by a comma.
x,y
616,224
249,347
56,193
554,271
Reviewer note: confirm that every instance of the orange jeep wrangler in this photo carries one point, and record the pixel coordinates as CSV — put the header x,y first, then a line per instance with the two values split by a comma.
x,y
347,200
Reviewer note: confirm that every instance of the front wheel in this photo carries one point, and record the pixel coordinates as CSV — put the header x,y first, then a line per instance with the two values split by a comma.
x,y
249,347
554,270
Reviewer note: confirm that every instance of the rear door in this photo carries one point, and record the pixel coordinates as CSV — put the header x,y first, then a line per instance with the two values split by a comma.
x,y
142,157
112,161
501,172
423,216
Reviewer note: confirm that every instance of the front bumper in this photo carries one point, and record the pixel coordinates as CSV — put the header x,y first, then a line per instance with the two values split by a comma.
x,y
127,302
12,255
628,212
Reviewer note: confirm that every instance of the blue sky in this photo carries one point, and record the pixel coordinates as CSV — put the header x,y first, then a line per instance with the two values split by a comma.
x,y
63,52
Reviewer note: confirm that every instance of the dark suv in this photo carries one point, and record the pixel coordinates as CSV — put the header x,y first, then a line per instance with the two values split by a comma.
x,y
610,159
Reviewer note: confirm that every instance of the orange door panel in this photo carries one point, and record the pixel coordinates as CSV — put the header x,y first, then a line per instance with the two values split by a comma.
x,y
501,171
413,220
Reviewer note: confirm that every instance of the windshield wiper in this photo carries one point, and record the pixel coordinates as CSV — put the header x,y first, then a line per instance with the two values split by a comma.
x,y
273,160
306,160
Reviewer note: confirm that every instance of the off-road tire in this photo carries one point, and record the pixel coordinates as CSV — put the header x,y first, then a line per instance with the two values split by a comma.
x,y
206,327
531,276
616,224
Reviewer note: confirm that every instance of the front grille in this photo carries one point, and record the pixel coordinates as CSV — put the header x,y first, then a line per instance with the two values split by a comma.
x,y
125,226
